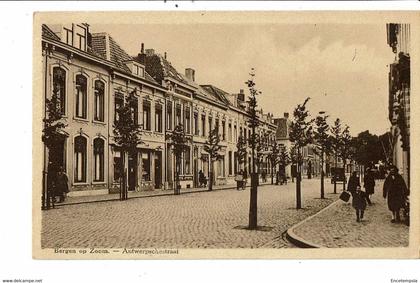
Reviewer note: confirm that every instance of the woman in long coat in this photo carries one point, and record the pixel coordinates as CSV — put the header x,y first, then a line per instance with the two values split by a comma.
x,y
369,184
353,183
396,192
61,185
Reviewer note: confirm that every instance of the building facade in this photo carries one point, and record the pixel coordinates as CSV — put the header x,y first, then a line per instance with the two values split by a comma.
x,y
93,76
398,37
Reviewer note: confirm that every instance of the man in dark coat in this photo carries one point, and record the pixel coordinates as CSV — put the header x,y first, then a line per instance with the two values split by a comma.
x,y
353,183
359,203
396,191
369,184
61,185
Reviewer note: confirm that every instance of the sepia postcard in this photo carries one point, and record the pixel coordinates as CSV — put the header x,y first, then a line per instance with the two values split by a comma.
x,y
225,135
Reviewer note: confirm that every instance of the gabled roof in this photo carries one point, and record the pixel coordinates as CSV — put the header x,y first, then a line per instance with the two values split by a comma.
x,y
117,55
159,68
48,33
219,94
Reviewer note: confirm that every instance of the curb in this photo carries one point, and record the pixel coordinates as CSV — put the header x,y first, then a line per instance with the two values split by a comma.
x,y
150,196
299,241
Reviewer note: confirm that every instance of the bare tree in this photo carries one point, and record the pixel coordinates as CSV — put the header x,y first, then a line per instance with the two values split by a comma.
x,y
213,147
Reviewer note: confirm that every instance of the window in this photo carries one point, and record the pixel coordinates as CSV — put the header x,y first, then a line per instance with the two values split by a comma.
x,y
223,130
80,159
230,162
196,129
158,118
134,109
187,166
178,119
59,87
98,157
245,136
235,162
235,134
187,116
169,115
230,132
145,161
216,125
118,173
146,115
138,71
99,101
203,123
81,96
118,103
221,167
69,36
210,124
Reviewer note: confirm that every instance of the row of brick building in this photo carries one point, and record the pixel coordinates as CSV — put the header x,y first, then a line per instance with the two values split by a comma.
x,y
93,75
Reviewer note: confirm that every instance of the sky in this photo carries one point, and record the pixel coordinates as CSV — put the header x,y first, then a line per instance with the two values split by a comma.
x,y
343,68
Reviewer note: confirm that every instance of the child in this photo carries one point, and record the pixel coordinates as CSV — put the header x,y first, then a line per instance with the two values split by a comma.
x,y
359,203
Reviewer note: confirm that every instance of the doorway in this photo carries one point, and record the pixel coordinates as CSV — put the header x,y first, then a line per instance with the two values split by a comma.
x,y
132,171
158,169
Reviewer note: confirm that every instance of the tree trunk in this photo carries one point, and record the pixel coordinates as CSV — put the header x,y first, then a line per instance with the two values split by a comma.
x,y
322,173
335,177
272,174
344,167
211,176
177,187
298,184
253,219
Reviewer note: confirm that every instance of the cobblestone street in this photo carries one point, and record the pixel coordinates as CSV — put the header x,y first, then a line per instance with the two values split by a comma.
x,y
199,220
336,226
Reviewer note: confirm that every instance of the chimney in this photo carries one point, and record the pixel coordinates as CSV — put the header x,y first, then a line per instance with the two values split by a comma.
x,y
150,52
141,55
190,74
286,115
241,95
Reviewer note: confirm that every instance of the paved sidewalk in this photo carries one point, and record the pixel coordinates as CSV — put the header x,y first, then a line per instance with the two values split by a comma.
x,y
142,194
336,226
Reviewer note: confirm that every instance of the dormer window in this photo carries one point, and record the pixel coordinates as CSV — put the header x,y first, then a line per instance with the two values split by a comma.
x,y
136,68
138,71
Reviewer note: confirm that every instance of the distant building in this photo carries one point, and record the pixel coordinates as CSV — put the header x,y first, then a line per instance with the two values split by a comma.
x,y
398,38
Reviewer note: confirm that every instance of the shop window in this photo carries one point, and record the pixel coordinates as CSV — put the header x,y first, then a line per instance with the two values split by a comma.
x,y
145,158
118,171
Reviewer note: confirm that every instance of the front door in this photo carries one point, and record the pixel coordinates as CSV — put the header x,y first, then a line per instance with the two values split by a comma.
x,y
158,169
132,171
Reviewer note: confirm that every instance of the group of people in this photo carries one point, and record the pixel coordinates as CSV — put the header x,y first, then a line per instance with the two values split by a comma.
x,y
58,185
395,191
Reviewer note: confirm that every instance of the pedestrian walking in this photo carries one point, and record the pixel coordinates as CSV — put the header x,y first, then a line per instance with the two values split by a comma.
x,y
61,185
396,192
369,184
239,178
245,176
202,179
353,183
359,203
